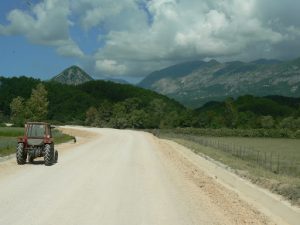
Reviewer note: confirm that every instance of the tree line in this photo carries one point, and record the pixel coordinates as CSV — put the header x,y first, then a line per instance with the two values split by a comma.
x,y
107,104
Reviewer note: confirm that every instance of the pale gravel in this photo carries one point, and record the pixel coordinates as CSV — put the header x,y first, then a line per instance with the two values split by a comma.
x,y
117,177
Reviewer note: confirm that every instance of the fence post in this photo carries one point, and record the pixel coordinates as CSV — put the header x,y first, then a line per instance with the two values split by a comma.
x,y
265,160
271,162
278,163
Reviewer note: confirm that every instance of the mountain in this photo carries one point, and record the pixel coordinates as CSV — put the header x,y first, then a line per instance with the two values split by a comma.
x,y
73,75
195,83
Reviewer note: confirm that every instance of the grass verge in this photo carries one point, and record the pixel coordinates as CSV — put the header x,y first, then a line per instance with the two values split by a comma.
x,y
281,182
8,139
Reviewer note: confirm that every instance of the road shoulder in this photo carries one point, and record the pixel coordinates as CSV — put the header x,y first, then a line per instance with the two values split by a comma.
x,y
209,175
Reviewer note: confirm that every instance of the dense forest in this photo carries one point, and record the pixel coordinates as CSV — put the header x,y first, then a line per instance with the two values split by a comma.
x,y
250,112
108,104
97,103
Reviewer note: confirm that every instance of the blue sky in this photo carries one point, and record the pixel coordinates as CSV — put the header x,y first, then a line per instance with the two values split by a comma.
x,y
129,39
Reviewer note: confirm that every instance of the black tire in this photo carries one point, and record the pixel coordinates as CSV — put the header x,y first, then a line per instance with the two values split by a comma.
x,y
56,157
48,155
30,158
21,154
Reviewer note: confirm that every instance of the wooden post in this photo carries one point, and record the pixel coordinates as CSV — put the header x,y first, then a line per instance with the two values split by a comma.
x,y
265,160
278,163
271,162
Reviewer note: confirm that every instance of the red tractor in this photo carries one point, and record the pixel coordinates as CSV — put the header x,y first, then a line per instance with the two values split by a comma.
x,y
37,142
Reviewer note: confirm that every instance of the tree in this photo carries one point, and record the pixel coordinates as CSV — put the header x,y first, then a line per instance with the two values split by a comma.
x,y
138,119
37,104
2,117
104,113
287,123
91,116
267,122
157,110
230,114
290,123
17,108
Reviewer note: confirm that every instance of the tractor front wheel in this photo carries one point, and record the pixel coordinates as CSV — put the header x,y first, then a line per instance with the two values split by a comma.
x,y
48,155
21,154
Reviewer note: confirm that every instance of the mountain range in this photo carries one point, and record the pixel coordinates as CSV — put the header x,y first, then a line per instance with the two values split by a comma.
x,y
198,82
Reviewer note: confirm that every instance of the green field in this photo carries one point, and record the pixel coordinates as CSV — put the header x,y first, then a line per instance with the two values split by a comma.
x,y
8,138
11,131
270,162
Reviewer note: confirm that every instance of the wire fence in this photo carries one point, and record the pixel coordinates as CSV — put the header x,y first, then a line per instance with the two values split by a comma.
x,y
272,161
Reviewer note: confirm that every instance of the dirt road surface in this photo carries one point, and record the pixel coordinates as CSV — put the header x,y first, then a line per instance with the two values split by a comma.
x,y
117,177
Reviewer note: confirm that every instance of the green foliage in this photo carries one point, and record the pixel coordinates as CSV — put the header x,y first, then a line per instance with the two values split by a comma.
x,y
91,116
34,109
290,123
226,132
267,122
2,118
11,88
107,104
249,112
230,114
18,111
60,137
37,104
11,131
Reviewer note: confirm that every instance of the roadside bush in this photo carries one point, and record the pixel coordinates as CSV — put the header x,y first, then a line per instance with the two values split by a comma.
x,y
297,134
226,132
267,122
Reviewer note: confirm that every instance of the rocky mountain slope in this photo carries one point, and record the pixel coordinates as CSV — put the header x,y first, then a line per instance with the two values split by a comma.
x,y
73,75
195,83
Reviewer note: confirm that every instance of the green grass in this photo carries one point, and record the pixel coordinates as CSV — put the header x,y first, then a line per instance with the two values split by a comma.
x,y
7,145
60,137
285,152
11,131
8,138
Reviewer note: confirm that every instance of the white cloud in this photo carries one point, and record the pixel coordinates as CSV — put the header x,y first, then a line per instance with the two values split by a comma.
x,y
140,36
69,48
46,24
110,67
188,30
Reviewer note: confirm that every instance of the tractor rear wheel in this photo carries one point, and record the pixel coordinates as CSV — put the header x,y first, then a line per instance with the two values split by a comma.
x,y
48,155
21,154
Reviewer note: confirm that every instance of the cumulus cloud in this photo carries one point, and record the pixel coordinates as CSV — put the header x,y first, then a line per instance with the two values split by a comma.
x,y
110,67
46,24
191,29
139,36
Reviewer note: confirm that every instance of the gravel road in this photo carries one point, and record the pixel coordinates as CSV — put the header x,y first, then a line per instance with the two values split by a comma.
x,y
117,177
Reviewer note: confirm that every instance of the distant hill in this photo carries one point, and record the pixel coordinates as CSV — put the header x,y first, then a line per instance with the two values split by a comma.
x,y
73,75
69,103
115,80
195,83
276,106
